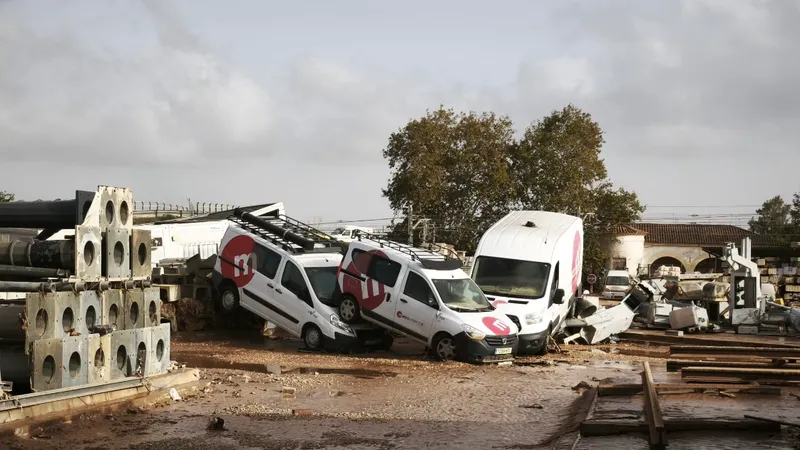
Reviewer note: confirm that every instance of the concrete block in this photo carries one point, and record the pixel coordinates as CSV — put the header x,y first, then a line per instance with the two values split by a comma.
x,y
141,266
141,354
88,253
116,254
99,358
134,309
152,301
116,208
59,363
51,315
123,353
90,311
159,358
112,308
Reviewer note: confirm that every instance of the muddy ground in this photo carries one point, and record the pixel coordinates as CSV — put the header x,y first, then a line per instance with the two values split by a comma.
x,y
398,400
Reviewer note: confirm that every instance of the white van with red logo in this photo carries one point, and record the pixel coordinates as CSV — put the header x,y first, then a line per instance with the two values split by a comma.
x,y
425,296
529,264
285,272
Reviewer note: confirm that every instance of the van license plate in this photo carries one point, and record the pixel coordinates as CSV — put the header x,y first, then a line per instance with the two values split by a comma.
x,y
502,351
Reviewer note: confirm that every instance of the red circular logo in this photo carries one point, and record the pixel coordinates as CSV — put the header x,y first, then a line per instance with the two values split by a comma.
x,y
576,261
369,293
236,254
496,326
399,314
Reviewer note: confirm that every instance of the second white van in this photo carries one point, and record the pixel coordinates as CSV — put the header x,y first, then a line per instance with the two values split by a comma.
x,y
529,264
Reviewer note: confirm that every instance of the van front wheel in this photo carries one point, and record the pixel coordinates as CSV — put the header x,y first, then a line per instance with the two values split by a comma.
x,y
313,338
228,298
349,310
444,347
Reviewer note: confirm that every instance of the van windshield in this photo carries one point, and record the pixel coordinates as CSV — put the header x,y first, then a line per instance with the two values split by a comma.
x,y
323,281
617,281
462,295
338,231
511,277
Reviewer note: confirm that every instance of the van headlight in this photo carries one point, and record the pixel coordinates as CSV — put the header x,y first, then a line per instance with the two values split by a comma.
x,y
472,332
533,319
336,322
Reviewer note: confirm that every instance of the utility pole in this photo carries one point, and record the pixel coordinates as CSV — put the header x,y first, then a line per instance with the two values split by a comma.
x,y
410,219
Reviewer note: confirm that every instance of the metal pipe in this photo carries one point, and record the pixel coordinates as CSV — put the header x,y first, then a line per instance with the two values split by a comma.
x,y
31,272
11,323
58,254
26,286
57,214
15,365
281,232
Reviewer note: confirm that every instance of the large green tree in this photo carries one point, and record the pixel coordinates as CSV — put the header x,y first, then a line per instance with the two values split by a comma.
x,y
452,168
774,218
6,197
466,170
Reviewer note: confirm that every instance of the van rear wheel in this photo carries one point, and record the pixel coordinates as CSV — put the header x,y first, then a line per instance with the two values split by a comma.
x,y
349,311
228,299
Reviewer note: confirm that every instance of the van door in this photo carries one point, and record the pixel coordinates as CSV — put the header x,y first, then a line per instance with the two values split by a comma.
x,y
258,294
293,297
379,289
416,311
558,312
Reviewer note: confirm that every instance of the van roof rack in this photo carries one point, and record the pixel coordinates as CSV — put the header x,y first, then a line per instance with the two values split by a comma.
x,y
433,259
288,233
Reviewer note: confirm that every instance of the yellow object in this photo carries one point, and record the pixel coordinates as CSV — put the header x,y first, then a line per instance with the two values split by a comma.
x,y
779,301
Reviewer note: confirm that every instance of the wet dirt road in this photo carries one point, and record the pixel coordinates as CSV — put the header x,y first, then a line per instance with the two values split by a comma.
x,y
394,400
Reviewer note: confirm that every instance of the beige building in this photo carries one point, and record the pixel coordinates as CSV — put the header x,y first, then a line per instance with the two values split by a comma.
x,y
692,247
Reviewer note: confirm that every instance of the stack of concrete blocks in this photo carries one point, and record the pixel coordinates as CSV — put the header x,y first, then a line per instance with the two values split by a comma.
x,y
791,273
63,329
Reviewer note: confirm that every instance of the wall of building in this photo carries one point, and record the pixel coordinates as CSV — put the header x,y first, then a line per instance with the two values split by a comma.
x,y
687,256
631,248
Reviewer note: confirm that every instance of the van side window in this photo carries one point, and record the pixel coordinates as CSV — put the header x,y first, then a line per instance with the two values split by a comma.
x,y
418,289
267,261
383,270
361,260
293,280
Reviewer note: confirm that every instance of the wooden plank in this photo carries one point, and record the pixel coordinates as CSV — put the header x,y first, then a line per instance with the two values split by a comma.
x,y
775,421
604,427
605,390
764,352
652,336
675,365
652,410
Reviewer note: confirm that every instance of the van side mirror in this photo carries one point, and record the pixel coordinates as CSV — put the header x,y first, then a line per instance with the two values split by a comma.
x,y
558,296
432,302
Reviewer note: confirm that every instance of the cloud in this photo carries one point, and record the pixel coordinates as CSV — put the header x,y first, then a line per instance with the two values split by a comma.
x,y
704,87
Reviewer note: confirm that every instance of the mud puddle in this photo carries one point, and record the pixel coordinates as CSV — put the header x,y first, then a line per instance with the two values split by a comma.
x,y
212,362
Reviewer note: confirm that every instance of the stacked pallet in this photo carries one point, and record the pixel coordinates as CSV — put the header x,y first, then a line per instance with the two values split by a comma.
x,y
791,281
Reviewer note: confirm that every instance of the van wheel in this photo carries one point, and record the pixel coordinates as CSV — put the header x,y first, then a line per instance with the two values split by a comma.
x,y
228,298
313,338
444,347
349,311
541,351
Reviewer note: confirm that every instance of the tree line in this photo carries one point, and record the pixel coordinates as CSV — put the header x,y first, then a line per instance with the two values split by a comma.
x,y
465,170
779,219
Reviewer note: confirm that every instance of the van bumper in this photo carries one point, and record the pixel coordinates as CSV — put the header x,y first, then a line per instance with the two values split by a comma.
x,y
480,352
532,343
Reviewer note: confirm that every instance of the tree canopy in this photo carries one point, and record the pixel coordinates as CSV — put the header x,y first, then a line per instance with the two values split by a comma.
x,y
778,219
6,197
464,171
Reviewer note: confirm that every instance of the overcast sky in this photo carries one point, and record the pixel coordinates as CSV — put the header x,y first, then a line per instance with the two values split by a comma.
x,y
248,101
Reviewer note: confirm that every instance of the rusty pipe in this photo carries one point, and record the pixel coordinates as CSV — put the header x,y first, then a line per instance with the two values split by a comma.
x,y
59,254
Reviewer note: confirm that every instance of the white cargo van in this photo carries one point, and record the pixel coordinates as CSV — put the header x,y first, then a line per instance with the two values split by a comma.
x,y
424,295
284,271
529,265
349,232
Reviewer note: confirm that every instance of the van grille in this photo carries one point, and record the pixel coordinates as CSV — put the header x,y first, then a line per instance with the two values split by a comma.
x,y
515,319
497,341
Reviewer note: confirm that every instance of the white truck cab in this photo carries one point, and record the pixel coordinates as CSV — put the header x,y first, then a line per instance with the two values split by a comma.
x,y
424,295
283,271
617,284
529,265
348,232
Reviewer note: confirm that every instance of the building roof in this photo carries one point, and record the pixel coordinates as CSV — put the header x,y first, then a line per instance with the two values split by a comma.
x,y
215,216
622,229
705,235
